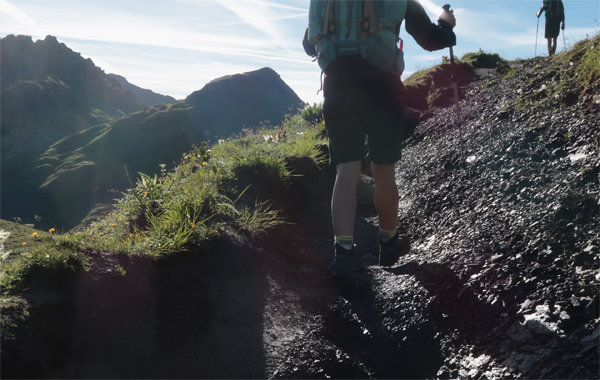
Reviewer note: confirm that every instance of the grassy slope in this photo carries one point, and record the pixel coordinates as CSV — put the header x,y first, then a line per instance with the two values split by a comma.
x,y
91,165
185,207
141,141
20,234
82,172
48,92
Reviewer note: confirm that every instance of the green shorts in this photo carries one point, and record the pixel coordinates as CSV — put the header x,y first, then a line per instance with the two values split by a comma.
x,y
552,27
362,101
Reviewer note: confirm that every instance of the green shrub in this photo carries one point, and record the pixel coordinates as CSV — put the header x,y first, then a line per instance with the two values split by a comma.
x,y
483,60
259,219
312,114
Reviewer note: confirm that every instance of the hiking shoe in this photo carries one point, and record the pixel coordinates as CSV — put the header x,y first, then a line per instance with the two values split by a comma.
x,y
344,261
390,251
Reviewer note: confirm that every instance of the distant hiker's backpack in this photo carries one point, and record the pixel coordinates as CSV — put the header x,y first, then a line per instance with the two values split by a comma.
x,y
357,27
553,8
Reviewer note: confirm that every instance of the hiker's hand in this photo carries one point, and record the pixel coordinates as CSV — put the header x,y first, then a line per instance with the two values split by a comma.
x,y
539,13
448,17
563,26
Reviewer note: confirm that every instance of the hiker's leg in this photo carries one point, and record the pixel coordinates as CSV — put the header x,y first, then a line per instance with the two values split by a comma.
x,y
554,45
386,195
549,46
343,199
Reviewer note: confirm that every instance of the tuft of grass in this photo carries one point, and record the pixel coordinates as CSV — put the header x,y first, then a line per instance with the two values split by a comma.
x,y
162,214
259,219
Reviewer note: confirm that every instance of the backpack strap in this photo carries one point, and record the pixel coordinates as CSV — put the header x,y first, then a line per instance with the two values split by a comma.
x,y
329,22
369,23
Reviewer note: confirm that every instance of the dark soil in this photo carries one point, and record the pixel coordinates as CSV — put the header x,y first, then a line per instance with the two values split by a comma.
x,y
500,203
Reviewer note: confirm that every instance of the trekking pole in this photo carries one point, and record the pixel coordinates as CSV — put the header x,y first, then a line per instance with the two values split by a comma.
x,y
453,76
536,36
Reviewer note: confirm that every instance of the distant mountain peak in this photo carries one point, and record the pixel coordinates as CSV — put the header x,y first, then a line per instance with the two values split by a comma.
x,y
146,97
243,100
264,73
263,84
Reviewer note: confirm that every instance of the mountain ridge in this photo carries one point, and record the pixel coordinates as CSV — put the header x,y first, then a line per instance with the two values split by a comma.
x,y
146,96
72,136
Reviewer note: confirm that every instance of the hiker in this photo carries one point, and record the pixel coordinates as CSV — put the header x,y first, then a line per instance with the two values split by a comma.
x,y
555,18
364,96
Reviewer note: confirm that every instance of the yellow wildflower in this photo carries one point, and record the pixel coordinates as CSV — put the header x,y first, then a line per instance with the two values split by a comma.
x,y
35,234
204,163
52,230
24,243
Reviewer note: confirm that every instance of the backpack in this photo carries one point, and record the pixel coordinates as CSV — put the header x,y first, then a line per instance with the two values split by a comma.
x,y
357,27
553,8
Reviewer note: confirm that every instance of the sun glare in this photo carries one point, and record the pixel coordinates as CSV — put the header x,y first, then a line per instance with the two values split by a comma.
x,y
15,13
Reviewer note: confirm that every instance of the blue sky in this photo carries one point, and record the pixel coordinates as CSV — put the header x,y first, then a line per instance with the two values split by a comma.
x,y
175,47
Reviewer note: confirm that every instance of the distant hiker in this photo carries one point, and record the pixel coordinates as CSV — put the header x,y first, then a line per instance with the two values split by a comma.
x,y
555,18
356,44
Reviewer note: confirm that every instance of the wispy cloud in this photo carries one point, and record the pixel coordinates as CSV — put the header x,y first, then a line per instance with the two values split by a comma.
x,y
274,4
257,29
512,33
126,28
15,13
432,8
263,16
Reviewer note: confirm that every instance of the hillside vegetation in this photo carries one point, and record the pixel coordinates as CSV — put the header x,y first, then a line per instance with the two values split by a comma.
x,y
50,91
92,165
185,207
217,268
74,138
